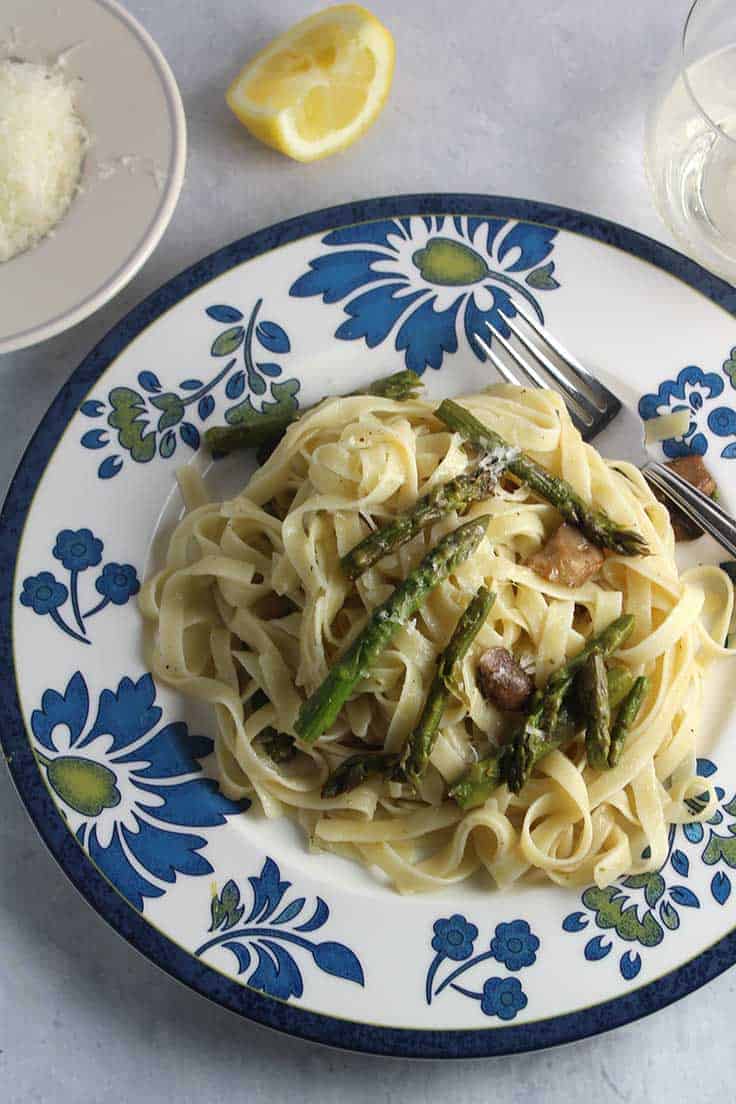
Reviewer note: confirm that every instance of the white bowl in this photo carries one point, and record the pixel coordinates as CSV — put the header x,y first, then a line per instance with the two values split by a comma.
x,y
133,171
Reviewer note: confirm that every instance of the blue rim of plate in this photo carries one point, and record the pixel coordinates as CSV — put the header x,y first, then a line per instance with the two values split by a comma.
x,y
289,1018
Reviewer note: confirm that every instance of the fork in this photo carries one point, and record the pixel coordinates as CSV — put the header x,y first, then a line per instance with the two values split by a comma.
x,y
600,415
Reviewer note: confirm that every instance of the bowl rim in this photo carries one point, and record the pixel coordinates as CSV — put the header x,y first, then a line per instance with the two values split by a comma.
x,y
33,335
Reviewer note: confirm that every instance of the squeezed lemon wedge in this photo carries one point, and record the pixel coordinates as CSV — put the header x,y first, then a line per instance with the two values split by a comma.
x,y
319,85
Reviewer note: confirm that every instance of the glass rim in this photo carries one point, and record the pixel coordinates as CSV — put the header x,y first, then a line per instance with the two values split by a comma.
x,y
686,80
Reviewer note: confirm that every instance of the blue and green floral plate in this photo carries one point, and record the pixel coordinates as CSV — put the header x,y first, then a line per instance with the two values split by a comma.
x,y
116,771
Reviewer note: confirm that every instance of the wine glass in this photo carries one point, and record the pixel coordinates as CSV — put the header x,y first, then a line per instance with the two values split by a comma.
x,y
691,137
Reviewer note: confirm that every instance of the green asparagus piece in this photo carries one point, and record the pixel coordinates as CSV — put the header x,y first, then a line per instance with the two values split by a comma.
x,y
480,780
268,428
606,642
546,705
458,495
278,745
627,714
594,697
321,709
357,769
597,526
399,386
419,746
547,715
620,681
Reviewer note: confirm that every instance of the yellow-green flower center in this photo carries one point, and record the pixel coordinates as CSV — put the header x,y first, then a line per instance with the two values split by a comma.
x,y
450,263
86,786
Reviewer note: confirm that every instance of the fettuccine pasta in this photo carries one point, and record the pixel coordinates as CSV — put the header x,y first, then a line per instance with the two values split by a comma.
x,y
252,608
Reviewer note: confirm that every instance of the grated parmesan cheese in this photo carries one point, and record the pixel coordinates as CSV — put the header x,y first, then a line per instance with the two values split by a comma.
x,y
42,147
499,457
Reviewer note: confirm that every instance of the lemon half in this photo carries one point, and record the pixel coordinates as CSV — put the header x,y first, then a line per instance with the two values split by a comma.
x,y
319,85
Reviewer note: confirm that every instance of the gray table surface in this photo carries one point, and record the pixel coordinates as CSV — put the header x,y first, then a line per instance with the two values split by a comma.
x,y
537,98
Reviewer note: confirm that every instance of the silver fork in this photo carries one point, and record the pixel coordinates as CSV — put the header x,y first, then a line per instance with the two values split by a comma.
x,y
599,415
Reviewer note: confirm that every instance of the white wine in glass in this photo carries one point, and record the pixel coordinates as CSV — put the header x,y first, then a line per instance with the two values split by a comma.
x,y
691,138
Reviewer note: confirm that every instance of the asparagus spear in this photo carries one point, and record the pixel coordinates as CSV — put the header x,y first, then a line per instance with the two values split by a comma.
x,y
606,642
480,780
620,681
268,428
321,709
419,747
546,706
594,698
546,727
356,769
626,716
458,494
597,526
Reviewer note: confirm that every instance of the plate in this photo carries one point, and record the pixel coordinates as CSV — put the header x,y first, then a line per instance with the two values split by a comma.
x,y
136,171
116,771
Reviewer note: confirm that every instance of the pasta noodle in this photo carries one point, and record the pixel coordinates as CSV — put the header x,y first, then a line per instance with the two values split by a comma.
x,y
252,608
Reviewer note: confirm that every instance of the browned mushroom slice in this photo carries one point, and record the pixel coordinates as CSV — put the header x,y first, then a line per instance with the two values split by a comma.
x,y
567,557
503,680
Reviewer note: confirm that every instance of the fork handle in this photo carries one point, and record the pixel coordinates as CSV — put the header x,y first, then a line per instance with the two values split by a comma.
x,y
699,508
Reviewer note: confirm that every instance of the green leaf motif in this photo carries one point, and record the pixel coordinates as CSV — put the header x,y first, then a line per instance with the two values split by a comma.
x,y
731,807
285,403
284,395
226,909
654,889
172,408
721,848
168,445
542,278
128,415
729,367
608,906
228,341
669,916
637,881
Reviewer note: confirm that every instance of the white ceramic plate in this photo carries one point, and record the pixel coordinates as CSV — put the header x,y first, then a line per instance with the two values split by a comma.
x,y
132,174
115,770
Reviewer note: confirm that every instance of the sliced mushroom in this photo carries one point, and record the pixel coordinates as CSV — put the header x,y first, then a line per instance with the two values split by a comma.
x,y
503,680
568,557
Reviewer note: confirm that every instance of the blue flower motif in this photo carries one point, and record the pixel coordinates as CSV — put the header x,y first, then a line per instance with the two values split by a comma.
x,y
503,997
722,421
429,278
130,795
514,945
78,549
43,593
454,937
118,582
693,390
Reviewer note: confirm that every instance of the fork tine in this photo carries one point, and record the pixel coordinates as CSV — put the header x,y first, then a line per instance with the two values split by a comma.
x,y
605,400
588,410
503,370
529,371
526,367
